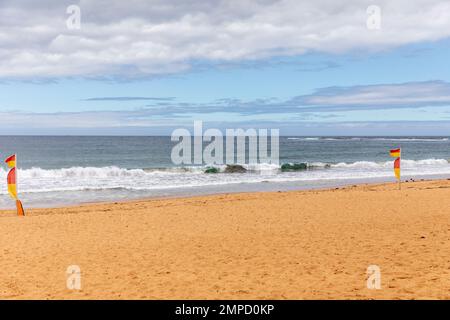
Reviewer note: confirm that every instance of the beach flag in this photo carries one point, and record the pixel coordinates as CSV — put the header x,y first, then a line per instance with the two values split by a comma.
x,y
11,161
397,153
12,183
397,168
12,186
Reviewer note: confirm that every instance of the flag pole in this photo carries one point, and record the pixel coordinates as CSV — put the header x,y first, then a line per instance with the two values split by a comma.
x,y
19,206
400,174
17,175
397,154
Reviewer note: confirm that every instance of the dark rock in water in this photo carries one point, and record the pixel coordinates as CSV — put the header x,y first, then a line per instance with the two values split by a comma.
x,y
211,170
294,167
235,168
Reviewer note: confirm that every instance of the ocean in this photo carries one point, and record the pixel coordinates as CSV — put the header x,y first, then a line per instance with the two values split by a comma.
x,y
69,170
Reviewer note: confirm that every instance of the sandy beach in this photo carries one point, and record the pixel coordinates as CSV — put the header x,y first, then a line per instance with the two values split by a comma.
x,y
277,245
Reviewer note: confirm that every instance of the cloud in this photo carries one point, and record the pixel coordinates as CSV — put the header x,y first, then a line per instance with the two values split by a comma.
x,y
141,38
340,128
382,96
300,109
368,97
129,99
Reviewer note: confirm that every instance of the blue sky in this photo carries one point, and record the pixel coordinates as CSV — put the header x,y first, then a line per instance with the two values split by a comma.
x,y
396,84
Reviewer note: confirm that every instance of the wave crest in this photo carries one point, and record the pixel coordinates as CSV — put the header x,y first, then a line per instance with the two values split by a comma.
x,y
116,172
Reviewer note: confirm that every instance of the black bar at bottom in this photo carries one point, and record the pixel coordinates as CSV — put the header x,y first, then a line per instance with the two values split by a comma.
x,y
229,309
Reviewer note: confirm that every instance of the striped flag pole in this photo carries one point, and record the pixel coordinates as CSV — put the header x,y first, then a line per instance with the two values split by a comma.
x,y
19,206
397,172
12,183
397,153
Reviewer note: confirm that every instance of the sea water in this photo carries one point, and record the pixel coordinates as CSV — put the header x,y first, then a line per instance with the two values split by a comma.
x,y
61,170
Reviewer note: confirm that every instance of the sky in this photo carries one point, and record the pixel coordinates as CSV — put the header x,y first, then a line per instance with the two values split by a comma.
x,y
140,67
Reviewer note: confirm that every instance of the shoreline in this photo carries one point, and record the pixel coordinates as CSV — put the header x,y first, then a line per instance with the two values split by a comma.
x,y
243,188
219,194
314,244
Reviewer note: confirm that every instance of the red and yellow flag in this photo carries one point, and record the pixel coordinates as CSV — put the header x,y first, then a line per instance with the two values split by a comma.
x,y
397,168
12,183
11,161
12,186
396,153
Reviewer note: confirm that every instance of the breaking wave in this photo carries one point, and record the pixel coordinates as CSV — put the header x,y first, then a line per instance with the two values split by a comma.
x,y
38,180
418,139
116,172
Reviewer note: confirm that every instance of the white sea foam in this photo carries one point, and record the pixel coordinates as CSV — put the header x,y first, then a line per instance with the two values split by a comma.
x,y
412,164
305,138
411,139
369,138
38,180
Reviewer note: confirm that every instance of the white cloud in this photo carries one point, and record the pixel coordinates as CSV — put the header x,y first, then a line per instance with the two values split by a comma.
x,y
384,96
136,38
327,104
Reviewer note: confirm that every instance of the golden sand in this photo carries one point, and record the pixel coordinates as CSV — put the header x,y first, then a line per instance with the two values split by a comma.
x,y
278,245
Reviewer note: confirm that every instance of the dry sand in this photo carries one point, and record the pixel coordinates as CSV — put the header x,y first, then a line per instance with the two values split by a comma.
x,y
279,245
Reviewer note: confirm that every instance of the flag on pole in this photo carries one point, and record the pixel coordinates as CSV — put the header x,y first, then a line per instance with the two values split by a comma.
x,y
397,168
12,183
11,161
396,153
